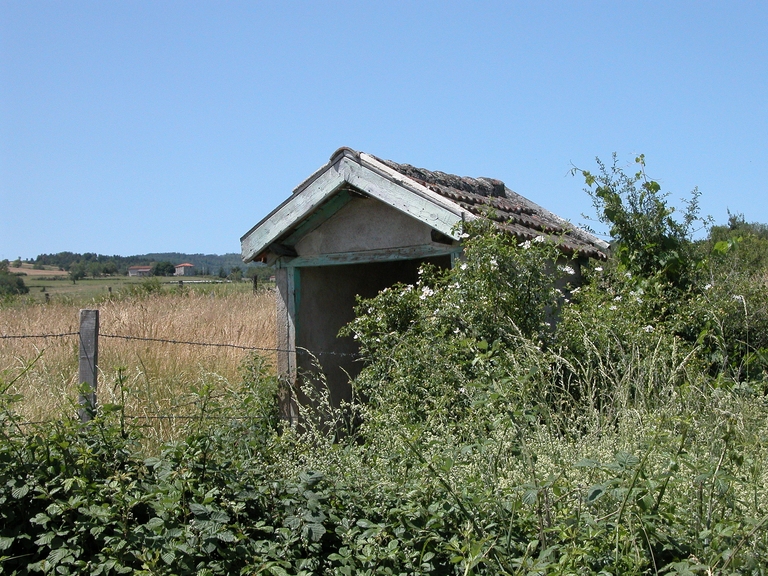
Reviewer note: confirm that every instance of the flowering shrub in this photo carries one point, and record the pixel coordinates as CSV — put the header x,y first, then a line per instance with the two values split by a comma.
x,y
432,341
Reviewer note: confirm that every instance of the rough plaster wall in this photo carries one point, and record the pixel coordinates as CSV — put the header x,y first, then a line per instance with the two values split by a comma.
x,y
364,224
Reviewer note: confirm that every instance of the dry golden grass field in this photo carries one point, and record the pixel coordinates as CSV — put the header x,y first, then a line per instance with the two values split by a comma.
x,y
158,377
48,271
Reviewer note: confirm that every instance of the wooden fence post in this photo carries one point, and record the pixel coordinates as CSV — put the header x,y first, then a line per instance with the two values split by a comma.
x,y
89,361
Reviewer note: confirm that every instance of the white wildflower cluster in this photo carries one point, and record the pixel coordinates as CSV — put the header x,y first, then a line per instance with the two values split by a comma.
x,y
494,264
539,239
525,245
464,235
567,270
648,328
463,266
707,286
426,291
598,268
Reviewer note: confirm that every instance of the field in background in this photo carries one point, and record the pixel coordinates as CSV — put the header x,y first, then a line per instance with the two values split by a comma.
x,y
54,283
157,378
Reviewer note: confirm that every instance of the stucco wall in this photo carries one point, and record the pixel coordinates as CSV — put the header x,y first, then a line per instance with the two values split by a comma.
x,y
364,224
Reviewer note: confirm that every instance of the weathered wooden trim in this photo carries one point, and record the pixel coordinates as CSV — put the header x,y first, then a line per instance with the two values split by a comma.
x,y
286,342
293,210
380,255
424,205
283,250
321,215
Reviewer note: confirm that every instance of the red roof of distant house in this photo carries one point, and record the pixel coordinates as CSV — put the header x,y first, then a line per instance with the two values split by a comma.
x,y
186,264
139,267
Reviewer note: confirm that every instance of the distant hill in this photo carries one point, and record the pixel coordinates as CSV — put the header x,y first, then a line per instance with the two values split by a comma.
x,y
204,263
212,263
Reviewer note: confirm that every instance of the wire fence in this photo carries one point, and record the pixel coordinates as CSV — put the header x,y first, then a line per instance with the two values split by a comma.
x,y
185,342
128,337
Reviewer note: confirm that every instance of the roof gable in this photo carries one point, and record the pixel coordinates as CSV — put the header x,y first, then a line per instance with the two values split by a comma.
x,y
436,199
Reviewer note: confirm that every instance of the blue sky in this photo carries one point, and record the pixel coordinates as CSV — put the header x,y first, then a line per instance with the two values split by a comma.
x,y
134,127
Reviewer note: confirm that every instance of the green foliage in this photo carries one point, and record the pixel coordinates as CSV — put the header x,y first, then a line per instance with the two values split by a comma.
x,y
449,327
149,285
77,271
236,274
648,240
164,268
11,285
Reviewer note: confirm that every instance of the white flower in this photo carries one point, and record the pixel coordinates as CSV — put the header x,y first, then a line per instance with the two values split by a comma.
x,y
576,290
494,264
648,328
456,330
539,239
612,308
426,291
598,268
617,299
628,274
463,266
464,235
707,286
567,270
525,245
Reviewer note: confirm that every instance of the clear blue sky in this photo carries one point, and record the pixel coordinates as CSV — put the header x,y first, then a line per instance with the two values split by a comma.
x,y
133,127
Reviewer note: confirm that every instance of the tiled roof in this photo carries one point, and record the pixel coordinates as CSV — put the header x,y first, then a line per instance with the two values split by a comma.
x,y
490,198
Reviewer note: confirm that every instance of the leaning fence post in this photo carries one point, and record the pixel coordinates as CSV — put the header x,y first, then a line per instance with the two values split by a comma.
x,y
89,362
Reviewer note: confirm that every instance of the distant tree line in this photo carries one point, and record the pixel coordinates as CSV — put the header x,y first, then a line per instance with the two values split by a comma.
x,y
92,265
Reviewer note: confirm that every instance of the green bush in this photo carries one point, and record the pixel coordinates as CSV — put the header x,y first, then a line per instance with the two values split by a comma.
x,y
11,285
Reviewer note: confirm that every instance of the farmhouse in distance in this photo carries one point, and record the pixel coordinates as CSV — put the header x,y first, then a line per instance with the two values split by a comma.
x,y
185,269
360,224
139,270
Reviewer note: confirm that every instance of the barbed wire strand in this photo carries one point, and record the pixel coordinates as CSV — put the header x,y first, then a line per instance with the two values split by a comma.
x,y
227,345
185,342
22,336
156,417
